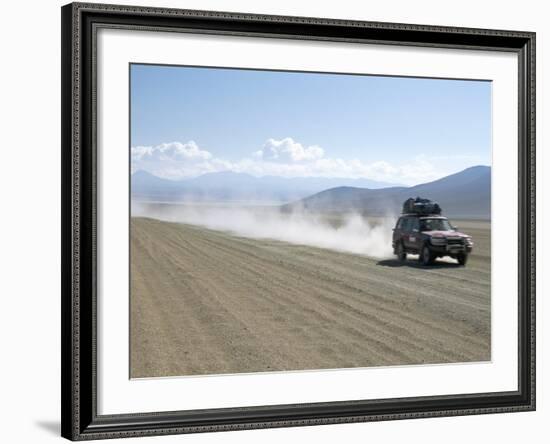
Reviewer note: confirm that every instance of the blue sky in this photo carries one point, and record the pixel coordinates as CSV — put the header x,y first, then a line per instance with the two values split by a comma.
x,y
187,121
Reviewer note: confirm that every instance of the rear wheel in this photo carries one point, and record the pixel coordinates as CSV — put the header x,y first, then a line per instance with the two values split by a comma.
x,y
462,258
426,256
400,252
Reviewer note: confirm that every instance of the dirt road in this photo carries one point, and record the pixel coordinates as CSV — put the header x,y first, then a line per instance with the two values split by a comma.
x,y
207,302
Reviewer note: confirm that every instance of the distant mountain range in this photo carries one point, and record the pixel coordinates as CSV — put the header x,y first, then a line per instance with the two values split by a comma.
x,y
465,194
230,186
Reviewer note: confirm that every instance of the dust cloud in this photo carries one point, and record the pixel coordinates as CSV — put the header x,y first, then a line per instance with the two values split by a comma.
x,y
350,233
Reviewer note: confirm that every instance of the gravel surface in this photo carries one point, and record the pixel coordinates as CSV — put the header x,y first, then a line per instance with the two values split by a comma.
x,y
208,302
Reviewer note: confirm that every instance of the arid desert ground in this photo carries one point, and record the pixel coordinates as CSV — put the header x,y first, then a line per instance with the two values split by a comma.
x,y
210,302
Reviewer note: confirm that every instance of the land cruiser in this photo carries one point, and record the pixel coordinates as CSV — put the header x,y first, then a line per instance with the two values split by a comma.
x,y
430,236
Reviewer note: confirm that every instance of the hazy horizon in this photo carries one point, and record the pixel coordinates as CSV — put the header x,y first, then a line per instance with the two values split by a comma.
x,y
300,177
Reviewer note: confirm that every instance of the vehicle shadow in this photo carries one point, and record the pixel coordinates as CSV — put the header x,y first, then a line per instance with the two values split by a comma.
x,y
414,263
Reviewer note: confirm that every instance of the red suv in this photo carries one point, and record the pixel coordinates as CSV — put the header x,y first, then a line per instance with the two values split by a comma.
x,y
430,236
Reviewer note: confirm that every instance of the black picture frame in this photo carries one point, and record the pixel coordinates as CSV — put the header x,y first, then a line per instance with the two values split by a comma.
x,y
80,420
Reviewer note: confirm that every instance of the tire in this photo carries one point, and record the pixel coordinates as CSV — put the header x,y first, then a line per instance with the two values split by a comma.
x,y
400,252
426,256
462,258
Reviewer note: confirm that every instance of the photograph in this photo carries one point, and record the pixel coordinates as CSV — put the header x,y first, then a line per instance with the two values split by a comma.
x,y
298,221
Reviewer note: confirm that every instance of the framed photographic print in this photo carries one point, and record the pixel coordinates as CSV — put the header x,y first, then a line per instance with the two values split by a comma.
x,y
280,221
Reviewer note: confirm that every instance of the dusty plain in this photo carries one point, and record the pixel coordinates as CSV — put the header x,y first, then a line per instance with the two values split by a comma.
x,y
209,302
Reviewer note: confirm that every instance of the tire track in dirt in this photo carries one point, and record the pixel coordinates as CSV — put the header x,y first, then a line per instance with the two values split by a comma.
x,y
234,251
206,302
379,327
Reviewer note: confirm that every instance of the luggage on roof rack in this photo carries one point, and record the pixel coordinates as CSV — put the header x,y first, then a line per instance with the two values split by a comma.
x,y
421,206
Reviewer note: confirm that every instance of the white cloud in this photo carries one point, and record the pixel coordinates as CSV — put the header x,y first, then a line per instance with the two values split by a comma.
x,y
173,151
285,157
173,160
287,150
